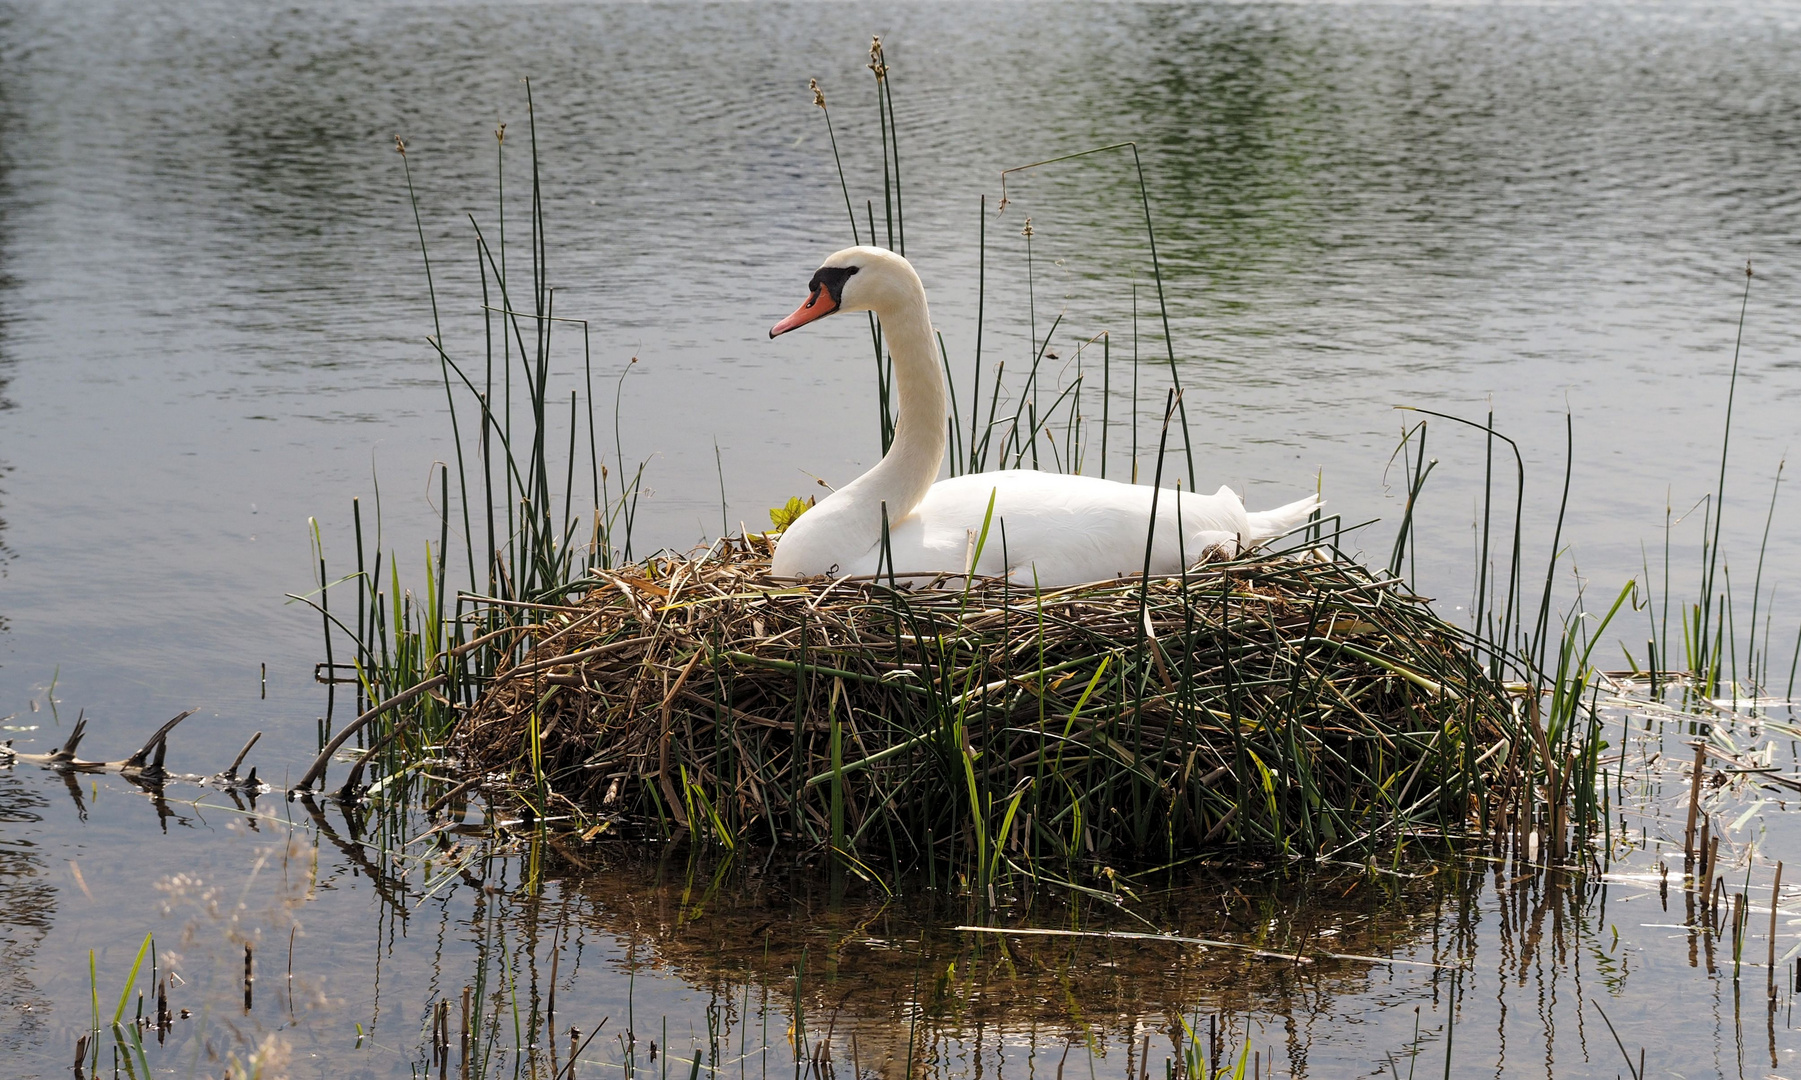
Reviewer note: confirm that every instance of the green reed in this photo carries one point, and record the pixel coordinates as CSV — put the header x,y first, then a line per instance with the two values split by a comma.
x,y
1704,658
1707,664
127,1034
512,483
1555,752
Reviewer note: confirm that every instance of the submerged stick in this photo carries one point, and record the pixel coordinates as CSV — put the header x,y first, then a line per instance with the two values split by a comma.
x,y
66,754
231,773
569,1069
444,800
1775,898
140,763
1637,1074
348,790
1694,802
136,761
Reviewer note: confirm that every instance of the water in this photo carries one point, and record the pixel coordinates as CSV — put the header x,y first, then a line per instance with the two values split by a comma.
x,y
212,316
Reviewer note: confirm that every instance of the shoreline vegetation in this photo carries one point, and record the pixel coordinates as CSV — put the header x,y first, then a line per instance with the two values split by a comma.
x,y
1304,705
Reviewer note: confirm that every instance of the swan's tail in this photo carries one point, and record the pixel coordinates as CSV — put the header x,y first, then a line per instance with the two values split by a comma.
x,y
1268,524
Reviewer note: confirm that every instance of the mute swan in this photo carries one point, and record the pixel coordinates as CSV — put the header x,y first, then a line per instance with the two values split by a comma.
x,y
1049,529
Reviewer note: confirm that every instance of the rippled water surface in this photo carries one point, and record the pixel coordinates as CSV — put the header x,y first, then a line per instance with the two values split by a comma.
x,y
212,326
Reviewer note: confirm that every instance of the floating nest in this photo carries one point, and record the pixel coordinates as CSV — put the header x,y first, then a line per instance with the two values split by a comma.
x,y
1300,704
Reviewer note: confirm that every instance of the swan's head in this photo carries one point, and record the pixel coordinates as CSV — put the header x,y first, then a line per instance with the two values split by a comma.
x,y
855,279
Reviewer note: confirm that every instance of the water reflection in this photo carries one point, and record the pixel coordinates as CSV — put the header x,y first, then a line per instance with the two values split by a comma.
x,y
8,209
1496,960
28,900
30,903
897,983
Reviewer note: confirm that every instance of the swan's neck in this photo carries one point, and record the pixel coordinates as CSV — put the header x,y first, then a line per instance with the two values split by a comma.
x,y
909,469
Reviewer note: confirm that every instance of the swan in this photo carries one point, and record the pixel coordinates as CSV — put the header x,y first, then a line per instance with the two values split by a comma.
x,y
1048,529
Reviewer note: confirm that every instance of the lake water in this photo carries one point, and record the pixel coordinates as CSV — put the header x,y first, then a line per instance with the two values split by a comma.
x,y
213,319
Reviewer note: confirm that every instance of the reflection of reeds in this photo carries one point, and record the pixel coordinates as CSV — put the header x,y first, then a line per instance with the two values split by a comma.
x,y
887,986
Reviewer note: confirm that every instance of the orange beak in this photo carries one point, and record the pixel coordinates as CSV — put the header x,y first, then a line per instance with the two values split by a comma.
x,y
818,306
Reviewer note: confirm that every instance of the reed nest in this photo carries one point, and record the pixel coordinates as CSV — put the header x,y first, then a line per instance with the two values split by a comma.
x,y
1297,703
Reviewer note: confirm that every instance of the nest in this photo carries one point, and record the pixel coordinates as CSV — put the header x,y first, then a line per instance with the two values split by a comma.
x,y
1299,704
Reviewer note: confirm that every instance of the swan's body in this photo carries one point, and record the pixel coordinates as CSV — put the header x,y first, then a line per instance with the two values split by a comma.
x,y
1047,529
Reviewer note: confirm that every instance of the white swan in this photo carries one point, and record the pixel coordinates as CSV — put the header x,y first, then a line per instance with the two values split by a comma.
x,y
1049,529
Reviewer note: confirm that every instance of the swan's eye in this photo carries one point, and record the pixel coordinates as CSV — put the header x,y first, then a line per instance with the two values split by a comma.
x,y
828,281
832,279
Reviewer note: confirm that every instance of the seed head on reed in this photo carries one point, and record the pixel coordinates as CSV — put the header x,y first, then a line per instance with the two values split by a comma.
x,y
818,94
876,63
